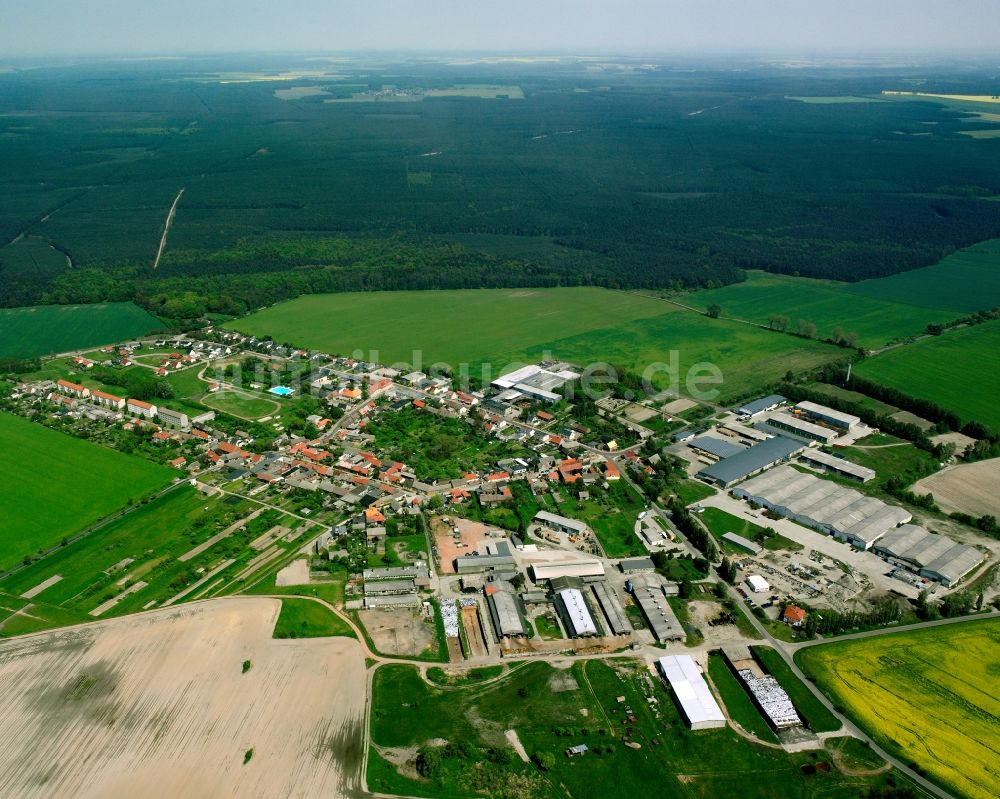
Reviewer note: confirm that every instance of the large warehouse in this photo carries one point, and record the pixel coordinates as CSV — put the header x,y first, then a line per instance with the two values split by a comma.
x,y
693,695
504,613
933,556
799,426
839,466
575,613
821,413
751,461
552,569
842,512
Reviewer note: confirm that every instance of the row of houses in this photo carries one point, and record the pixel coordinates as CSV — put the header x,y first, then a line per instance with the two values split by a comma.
x,y
135,407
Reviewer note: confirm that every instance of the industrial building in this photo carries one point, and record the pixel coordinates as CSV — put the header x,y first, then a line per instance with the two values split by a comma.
x,y
612,609
800,427
758,584
536,382
633,565
751,461
575,614
821,413
762,405
566,568
560,523
838,466
696,702
933,556
823,505
505,614
715,448
497,556
652,601
742,543
389,587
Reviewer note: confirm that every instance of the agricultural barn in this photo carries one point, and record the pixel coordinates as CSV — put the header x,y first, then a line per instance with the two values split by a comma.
x,y
504,613
632,565
933,556
742,543
821,413
575,613
652,601
762,405
749,462
800,427
497,556
560,523
614,614
838,466
714,447
843,513
692,693
568,568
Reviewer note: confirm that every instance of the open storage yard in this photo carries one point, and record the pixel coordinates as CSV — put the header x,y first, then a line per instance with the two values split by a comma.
x,y
929,696
161,705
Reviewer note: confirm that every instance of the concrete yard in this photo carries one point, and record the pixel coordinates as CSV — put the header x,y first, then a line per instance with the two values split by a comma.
x,y
158,705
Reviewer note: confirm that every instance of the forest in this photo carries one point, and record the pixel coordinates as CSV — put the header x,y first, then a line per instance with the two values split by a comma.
x,y
677,175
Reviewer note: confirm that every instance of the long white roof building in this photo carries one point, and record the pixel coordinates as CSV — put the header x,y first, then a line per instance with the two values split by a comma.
x,y
693,695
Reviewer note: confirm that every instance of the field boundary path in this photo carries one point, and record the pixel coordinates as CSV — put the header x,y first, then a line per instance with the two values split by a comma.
x,y
166,229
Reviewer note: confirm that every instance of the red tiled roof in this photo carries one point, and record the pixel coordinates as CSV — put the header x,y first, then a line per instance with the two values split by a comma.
x,y
140,404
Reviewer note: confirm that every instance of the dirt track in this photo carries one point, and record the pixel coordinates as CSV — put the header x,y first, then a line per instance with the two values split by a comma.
x,y
158,705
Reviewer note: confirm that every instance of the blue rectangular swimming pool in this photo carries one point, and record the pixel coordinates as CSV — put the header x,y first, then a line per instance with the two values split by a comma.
x,y
282,391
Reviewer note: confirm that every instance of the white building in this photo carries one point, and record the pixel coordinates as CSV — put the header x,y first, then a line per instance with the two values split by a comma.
x,y
140,408
693,695
758,584
576,615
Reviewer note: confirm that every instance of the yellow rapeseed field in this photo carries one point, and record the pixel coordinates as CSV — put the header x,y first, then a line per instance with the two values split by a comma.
x,y
931,696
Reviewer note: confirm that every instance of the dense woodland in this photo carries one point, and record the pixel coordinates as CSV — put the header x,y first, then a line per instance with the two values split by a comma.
x,y
680,176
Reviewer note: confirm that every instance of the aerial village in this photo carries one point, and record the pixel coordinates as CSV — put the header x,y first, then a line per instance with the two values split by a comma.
x,y
532,525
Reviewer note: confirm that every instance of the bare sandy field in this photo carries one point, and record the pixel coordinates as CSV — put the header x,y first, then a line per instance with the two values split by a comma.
x,y
398,631
967,487
473,535
158,705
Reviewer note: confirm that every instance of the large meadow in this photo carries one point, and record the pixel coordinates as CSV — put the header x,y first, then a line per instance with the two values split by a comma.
x,y
927,695
958,370
45,329
503,327
54,485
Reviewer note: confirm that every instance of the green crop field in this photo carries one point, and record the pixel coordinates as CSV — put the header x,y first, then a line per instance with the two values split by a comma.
x,y
504,327
929,696
825,303
55,485
957,370
45,329
304,618
553,709
965,281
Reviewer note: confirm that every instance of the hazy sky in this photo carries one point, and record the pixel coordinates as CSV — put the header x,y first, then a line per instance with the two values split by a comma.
x,y
47,27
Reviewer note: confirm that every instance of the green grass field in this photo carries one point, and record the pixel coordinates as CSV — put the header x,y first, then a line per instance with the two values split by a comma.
x,y
965,281
238,403
55,485
504,327
825,303
45,329
721,522
303,618
552,709
929,696
957,370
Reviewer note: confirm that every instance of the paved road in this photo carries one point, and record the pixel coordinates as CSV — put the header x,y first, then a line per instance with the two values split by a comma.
x,y
923,625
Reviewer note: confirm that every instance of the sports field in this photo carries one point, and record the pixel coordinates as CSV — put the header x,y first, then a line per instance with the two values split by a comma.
x,y
45,329
501,327
965,281
825,303
957,370
929,696
54,485
241,404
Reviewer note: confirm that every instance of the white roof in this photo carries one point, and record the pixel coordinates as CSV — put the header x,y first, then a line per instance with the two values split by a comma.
x,y
822,411
579,615
517,376
690,689
757,583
